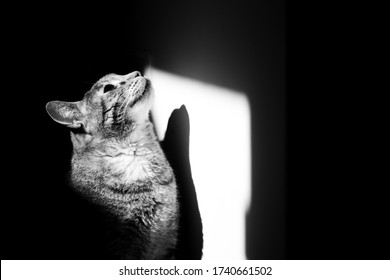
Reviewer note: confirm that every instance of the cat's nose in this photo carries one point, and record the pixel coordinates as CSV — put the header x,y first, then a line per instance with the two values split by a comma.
x,y
133,75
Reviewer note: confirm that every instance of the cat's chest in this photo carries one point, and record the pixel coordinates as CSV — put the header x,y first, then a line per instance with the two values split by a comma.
x,y
128,168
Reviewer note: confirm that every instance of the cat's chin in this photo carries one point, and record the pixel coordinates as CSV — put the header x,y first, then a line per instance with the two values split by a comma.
x,y
140,90
139,111
146,94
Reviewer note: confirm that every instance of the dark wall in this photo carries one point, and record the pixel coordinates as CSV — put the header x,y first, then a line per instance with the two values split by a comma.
x,y
337,183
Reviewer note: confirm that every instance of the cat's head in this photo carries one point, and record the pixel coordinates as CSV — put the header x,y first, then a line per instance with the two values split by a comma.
x,y
114,106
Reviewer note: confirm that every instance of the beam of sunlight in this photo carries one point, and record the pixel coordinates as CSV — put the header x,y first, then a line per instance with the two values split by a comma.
x,y
219,155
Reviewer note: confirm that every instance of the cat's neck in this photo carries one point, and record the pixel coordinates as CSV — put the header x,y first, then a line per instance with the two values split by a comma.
x,y
141,141
142,135
139,147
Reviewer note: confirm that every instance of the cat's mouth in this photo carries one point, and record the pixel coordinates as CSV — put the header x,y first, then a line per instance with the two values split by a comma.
x,y
137,90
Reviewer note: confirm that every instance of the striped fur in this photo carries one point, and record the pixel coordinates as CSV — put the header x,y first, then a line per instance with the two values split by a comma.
x,y
118,164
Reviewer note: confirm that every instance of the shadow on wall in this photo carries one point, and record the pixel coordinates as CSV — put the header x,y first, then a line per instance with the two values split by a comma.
x,y
176,148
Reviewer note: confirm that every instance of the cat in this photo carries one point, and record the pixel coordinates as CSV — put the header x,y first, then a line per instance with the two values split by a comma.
x,y
118,164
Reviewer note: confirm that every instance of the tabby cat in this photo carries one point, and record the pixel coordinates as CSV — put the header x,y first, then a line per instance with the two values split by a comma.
x,y
118,165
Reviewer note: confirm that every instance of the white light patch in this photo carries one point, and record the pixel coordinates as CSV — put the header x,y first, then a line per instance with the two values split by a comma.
x,y
219,155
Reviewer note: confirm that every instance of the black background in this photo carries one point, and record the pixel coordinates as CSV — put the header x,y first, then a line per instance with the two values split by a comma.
x,y
317,191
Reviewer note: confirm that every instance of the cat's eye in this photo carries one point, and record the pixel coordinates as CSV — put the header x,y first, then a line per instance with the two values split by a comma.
x,y
108,87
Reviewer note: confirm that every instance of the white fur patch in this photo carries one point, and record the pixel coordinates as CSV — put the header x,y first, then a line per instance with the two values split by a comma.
x,y
130,167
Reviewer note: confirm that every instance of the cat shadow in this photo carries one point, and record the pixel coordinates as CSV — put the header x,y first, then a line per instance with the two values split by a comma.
x,y
176,149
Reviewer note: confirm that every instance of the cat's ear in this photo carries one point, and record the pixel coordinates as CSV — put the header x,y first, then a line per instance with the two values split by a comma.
x,y
66,113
